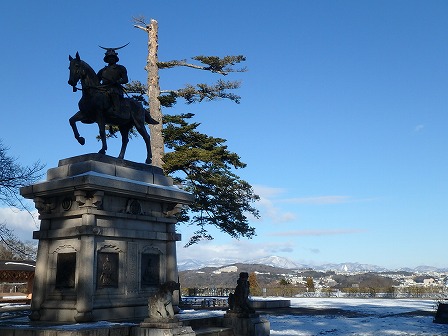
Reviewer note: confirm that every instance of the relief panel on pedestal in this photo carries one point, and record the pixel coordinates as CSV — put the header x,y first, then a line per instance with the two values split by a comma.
x,y
110,267
107,270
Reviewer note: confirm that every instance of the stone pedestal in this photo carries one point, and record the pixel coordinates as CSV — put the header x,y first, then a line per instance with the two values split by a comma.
x,y
247,325
107,239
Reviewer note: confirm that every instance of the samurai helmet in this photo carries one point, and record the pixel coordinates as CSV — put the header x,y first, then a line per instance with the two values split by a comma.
x,y
111,53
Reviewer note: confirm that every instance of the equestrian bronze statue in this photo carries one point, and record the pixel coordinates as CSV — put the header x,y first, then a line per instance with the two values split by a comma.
x,y
102,102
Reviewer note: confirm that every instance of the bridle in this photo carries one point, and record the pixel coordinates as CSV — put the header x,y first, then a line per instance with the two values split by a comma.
x,y
101,87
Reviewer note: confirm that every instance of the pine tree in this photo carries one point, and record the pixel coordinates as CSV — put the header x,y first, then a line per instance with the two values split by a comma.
x,y
200,163
191,93
309,284
255,289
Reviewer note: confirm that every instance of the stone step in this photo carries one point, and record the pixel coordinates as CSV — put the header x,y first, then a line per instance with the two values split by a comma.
x,y
208,326
203,322
214,331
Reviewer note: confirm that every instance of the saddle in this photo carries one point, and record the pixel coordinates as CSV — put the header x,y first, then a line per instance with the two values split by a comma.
x,y
123,111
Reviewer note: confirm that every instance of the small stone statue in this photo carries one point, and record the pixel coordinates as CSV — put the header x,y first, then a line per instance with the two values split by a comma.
x,y
160,307
239,301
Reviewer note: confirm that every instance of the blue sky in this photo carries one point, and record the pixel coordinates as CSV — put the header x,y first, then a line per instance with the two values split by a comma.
x,y
343,120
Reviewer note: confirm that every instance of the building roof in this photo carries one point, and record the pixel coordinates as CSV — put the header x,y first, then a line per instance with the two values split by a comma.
x,y
17,265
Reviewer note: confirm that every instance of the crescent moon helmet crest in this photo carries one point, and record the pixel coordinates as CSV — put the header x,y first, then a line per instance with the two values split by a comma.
x,y
111,53
114,48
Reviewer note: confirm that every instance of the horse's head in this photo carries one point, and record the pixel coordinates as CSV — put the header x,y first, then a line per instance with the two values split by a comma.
x,y
76,71
81,71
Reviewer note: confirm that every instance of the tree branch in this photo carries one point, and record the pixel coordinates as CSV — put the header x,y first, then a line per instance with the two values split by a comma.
x,y
142,28
212,63
172,64
140,23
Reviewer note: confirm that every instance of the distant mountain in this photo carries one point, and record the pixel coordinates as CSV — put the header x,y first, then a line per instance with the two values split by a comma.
x,y
226,277
275,261
193,264
350,267
428,269
189,264
285,263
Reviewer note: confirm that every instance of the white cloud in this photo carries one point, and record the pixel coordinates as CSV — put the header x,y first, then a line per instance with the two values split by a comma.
x,y
267,206
265,191
21,220
418,128
302,233
270,200
277,215
236,249
319,200
313,250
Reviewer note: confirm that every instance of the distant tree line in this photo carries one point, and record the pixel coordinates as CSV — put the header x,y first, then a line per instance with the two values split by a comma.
x,y
366,285
13,176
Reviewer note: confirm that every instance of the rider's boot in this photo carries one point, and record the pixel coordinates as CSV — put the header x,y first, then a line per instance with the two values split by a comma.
x,y
115,104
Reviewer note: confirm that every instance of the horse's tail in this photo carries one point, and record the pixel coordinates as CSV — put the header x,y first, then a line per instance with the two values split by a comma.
x,y
149,119
137,106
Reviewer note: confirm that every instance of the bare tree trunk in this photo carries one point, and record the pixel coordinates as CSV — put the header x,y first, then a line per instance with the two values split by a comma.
x,y
157,143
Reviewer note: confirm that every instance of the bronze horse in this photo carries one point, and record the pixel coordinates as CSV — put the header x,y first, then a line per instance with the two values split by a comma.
x,y
96,107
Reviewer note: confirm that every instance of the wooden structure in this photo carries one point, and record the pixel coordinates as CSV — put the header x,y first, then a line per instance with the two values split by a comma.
x,y
14,272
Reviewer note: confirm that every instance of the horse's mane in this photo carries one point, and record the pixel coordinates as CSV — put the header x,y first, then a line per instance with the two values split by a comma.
x,y
92,73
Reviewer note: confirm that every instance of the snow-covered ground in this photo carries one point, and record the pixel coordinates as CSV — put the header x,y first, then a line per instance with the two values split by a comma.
x,y
360,317
340,316
373,317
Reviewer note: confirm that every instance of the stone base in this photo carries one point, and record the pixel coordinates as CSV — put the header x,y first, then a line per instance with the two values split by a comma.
x,y
161,323
180,330
163,327
253,325
95,330
441,314
270,304
107,239
53,331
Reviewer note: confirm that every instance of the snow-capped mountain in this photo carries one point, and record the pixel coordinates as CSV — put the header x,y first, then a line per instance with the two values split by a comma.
x,y
275,261
189,264
426,269
193,264
350,267
281,262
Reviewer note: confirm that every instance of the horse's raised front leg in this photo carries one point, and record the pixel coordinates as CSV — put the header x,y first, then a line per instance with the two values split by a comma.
x,y
102,129
77,117
124,130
